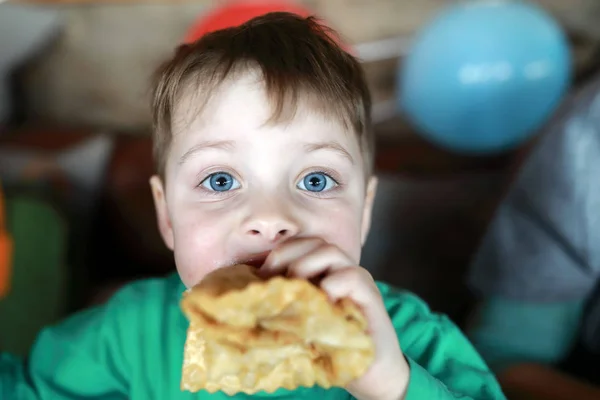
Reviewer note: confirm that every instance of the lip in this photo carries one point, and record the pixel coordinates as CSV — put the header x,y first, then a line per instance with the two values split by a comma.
x,y
255,260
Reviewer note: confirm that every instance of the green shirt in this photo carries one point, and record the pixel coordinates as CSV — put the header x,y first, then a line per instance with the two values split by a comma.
x,y
132,348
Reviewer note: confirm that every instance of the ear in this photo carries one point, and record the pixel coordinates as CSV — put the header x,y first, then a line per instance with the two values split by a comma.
x,y
368,208
162,213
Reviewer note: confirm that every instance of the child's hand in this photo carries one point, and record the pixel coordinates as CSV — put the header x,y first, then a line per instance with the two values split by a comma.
x,y
388,376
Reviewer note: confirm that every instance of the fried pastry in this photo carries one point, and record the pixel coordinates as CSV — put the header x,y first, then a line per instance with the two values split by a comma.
x,y
248,335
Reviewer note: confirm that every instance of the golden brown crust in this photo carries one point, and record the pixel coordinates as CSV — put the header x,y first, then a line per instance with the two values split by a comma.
x,y
248,334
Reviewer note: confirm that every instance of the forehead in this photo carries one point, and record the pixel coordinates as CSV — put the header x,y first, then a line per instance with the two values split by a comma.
x,y
240,106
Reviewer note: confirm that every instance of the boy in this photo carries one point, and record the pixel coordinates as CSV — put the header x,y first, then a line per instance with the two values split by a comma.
x,y
264,149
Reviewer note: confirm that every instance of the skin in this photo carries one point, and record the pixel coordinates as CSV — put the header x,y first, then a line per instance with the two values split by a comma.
x,y
292,197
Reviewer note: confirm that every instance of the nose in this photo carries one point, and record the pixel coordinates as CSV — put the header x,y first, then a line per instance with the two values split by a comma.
x,y
270,224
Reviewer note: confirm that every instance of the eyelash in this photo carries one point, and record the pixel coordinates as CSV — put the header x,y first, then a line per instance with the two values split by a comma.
x,y
331,174
207,175
325,171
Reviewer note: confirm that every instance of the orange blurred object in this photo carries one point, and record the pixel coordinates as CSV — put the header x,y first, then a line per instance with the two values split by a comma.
x,y
5,250
235,13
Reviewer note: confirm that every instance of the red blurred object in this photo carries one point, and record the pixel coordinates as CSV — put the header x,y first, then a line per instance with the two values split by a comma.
x,y
6,247
235,13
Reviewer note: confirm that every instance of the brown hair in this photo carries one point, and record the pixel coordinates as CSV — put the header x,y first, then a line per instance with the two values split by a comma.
x,y
296,57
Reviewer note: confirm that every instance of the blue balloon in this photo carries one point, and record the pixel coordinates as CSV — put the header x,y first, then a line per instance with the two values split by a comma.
x,y
483,76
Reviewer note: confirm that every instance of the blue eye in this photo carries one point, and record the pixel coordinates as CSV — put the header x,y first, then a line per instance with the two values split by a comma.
x,y
220,182
317,182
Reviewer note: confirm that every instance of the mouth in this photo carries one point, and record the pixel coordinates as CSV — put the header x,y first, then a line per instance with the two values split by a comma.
x,y
256,260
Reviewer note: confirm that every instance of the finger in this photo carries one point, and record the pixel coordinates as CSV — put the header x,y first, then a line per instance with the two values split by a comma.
x,y
320,261
353,282
357,284
281,257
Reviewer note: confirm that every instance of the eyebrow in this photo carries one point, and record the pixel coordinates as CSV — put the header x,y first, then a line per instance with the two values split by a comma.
x,y
332,146
220,145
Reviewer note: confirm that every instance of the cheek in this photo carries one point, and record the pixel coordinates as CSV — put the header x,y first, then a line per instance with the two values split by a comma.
x,y
341,227
199,247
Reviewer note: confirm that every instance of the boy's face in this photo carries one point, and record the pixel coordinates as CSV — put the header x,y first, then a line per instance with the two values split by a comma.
x,y
237,187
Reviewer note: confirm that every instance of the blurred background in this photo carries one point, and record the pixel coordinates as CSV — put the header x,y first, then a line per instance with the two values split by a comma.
x,y
75,149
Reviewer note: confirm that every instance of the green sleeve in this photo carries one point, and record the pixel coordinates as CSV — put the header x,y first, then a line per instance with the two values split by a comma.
x,y
443,363
507,331
81,358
